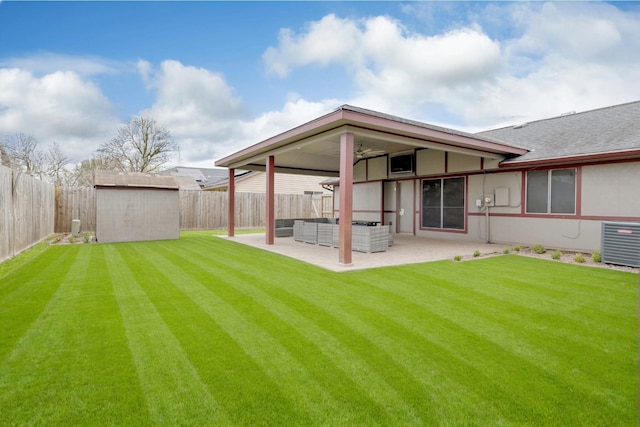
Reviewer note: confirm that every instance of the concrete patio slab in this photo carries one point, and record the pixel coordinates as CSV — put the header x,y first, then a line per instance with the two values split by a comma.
x,y
406,249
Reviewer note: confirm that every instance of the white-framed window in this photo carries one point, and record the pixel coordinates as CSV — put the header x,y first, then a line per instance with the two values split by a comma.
x,y
551,191
443,203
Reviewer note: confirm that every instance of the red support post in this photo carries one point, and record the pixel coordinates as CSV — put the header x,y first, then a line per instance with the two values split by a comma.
x,y
346,198
270,200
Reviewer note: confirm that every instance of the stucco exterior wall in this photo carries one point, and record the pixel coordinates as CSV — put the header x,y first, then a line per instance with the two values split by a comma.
x,y
430,162
479,185
575,234
128,215
377,168
611,190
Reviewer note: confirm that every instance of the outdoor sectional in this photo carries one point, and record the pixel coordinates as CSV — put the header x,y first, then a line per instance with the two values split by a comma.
x,y
284,227
364,238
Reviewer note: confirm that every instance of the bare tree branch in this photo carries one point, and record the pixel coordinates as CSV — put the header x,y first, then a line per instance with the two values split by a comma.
x,y
56,163
140,146
24,155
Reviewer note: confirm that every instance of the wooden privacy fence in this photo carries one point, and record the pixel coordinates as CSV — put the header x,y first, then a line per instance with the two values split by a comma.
x,y
75,203
202,210
199,210
26,211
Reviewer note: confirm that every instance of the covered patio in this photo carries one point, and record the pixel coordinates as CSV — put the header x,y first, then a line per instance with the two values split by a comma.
x,y
406,249
332,144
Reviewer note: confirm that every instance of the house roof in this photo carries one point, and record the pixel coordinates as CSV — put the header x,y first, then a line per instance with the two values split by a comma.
x,y
115,179
605,132
313,148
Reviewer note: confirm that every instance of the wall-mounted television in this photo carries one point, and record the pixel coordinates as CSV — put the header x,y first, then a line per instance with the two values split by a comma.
x,y
401,163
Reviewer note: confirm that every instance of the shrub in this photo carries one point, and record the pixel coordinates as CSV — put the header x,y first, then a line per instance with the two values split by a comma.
x,y
86,238
457,258
596,256
70,239
506,251
556,254
539,249
517,248
476,253
579,258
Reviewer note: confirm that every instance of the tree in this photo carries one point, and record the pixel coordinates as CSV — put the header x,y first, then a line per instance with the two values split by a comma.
x,y
82,174
4,156
24,155
56,165
140,146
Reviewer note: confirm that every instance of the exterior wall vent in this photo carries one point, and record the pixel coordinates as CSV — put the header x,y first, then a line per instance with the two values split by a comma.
x,y
621,243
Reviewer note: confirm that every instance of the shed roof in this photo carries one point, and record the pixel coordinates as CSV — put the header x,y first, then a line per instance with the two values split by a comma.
x,y
116,179
605,132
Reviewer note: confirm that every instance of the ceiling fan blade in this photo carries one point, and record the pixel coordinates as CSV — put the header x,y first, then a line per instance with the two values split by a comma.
x,y
363,152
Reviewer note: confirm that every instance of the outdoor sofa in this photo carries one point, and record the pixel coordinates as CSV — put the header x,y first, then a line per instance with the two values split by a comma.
x,y
284,227
365,238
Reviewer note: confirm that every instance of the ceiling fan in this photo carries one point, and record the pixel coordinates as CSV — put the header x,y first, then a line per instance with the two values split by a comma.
x,y
362,152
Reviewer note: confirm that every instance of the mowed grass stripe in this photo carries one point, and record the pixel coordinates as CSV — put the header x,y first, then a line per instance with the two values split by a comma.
x,y
500,341
569,365
522,363
415,376
173,391
26,292
415,386
68,367
328,358
282,349
470,308
238,350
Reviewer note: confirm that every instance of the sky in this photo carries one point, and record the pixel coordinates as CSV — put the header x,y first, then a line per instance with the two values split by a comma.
x,y
222,76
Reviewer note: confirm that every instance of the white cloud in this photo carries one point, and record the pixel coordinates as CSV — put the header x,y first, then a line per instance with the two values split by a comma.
x,y
330,40
198,106
557,57
208,120
568,57
49,62
57,107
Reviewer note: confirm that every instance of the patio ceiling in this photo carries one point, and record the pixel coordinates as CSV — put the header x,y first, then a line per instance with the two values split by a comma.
x,y
314,147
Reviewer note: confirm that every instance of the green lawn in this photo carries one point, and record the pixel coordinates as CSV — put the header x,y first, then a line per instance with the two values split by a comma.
x,y
204,331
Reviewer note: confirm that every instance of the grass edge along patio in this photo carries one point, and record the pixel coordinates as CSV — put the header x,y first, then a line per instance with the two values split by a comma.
x,y
206,331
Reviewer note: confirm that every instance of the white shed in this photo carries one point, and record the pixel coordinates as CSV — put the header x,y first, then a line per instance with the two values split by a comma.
x,y
136,207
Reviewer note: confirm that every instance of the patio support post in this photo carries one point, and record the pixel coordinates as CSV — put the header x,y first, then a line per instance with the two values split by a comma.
x,y
270,200
346,198
231,203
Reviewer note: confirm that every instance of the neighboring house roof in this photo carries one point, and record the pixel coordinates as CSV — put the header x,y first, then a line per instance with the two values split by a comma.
x,y
113,179
606,132
223,183
205,177
187,183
